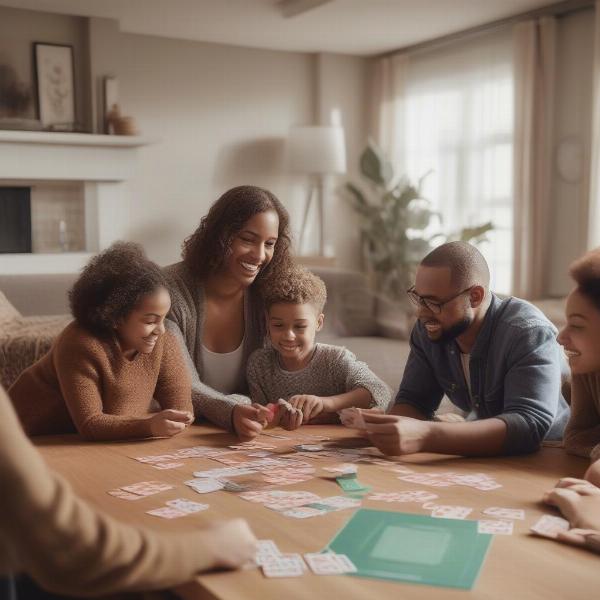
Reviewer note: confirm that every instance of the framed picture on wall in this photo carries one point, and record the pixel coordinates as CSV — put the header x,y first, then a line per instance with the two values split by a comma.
x,y
55,82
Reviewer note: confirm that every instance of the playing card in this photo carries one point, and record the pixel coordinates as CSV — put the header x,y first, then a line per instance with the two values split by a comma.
x,y
155,459
505,513
204,486
549,526
266,550
186,506
285,565
167,465
147,488
309,448
118,493
497,527
303,512
166,512
446,511
329,563
340,502
408,496
352,418
342,468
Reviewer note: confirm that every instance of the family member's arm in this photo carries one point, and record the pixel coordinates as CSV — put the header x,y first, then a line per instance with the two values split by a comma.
x,y
420,393
207,402
78,371
70,548
582,434
255,380
173,386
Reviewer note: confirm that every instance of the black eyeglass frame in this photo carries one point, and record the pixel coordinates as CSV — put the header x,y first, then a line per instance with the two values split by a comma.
x,y
432,305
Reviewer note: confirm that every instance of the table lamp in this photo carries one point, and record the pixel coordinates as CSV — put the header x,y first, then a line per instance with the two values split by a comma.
x,y
316,151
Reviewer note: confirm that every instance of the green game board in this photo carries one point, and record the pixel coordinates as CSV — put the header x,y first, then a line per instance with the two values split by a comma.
x,y
413,548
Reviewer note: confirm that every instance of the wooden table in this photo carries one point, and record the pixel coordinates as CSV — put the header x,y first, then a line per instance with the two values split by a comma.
x,y
517,567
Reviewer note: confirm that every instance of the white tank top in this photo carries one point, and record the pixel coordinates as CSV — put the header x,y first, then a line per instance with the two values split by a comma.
x,y
223,372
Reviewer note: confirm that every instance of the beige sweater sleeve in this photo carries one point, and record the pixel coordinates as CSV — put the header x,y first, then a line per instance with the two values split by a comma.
x,y
67,546
583,430
174,385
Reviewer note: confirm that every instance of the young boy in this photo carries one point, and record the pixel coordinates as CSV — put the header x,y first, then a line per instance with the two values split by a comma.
x,y
317,380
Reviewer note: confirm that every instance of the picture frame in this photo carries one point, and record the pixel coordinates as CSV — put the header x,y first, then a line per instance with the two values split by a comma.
x,y
55,84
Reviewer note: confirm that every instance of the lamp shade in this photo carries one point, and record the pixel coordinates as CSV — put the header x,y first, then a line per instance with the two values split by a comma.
x,y
317,150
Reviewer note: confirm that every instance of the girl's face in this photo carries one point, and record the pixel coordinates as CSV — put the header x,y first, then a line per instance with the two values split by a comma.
x,y
140,329
581,335
252,247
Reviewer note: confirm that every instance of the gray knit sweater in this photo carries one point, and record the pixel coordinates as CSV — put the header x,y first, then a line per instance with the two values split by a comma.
x,y
186,321
332,370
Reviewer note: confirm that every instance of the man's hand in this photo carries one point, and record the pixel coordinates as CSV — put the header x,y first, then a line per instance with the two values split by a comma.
x,y
170,422
249,420
310,405
396,435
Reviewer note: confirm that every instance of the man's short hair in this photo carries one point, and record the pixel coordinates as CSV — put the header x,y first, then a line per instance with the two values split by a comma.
x,y
296,285
586,273
467,265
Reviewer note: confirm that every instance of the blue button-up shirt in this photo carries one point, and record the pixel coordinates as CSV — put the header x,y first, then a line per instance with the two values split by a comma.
x,y
516,369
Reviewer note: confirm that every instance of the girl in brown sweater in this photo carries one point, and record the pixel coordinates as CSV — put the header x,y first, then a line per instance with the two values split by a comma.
x,y
103,371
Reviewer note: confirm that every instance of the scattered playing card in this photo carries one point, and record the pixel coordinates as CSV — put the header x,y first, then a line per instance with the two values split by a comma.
x,y
147,488
167,465
303,512
342,468
118,493
549,526
408,496
166,512
186,506
446,511
497,527
204,486
309,448
504,513
329,563
284,565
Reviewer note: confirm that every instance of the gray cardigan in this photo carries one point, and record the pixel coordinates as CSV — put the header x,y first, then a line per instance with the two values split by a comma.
x,y
186,321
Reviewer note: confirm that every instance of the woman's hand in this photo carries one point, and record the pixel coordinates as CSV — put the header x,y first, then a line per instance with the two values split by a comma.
x,y
233,544
309,404
249,420
290,417
170,422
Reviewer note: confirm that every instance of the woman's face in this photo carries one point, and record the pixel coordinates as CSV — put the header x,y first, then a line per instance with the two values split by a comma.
x,y
581,335
252,247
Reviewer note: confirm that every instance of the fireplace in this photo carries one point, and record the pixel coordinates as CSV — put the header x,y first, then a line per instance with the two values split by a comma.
x,y
15,220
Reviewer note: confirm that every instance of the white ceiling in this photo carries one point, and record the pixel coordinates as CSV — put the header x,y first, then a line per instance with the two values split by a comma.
x,y
361,27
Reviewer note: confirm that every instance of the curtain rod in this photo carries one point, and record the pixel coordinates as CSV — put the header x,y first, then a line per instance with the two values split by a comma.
x,y
557,9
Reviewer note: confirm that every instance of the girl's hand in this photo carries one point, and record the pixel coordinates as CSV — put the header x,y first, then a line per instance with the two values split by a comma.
x,y
290,417
249,420
310,405
169,422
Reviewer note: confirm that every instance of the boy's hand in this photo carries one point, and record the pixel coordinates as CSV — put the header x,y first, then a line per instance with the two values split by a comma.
x,y
310,405
249,420
290,417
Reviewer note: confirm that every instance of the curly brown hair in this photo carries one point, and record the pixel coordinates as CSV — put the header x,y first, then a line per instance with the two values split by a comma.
x,y
111,285
586,273
295,285
205,251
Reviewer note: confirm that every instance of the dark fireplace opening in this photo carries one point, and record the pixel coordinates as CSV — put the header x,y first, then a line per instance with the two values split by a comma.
x,y
15,220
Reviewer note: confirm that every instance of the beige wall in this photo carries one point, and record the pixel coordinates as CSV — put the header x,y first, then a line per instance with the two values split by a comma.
x,y
573,112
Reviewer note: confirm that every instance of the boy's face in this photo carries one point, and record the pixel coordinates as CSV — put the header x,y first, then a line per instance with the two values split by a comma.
x,y
292,329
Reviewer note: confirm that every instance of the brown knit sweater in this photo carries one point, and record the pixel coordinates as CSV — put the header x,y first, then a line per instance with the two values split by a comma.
x,y
70,548
87,385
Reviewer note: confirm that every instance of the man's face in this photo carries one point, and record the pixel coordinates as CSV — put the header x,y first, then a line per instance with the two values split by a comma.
x,y
455,317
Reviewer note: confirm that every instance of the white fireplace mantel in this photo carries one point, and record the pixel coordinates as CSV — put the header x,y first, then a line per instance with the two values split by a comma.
x,y
103,163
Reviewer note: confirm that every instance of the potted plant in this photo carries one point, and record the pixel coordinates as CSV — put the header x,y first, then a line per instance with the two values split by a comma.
x,y
398,229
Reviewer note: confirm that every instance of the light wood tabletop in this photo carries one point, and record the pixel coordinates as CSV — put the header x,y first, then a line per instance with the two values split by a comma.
x,y
518,566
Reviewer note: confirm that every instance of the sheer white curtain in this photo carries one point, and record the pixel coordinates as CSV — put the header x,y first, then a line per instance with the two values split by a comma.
x,y
453,117
535,65
593,236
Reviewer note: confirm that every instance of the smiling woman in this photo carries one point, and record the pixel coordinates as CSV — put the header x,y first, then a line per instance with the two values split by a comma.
x,y
217,312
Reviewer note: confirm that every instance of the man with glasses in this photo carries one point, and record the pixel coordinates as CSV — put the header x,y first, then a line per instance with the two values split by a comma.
x,y
496,359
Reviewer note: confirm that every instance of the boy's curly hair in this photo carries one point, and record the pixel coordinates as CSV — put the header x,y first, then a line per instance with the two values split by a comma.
x,y
111,285
295,285
205,251
586,273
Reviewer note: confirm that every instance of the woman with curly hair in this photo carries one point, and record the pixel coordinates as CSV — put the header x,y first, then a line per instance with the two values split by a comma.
x,y
104,369
217,311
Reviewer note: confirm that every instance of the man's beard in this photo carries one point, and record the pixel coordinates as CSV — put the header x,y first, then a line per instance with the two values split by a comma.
x,y
453,331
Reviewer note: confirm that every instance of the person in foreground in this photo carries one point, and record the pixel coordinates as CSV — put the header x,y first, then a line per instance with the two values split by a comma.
x,y
581,341
496,359
217,312
104,369
316,379
67,547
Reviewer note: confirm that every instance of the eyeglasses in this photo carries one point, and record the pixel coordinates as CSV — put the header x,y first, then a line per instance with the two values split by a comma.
x,y
434,307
